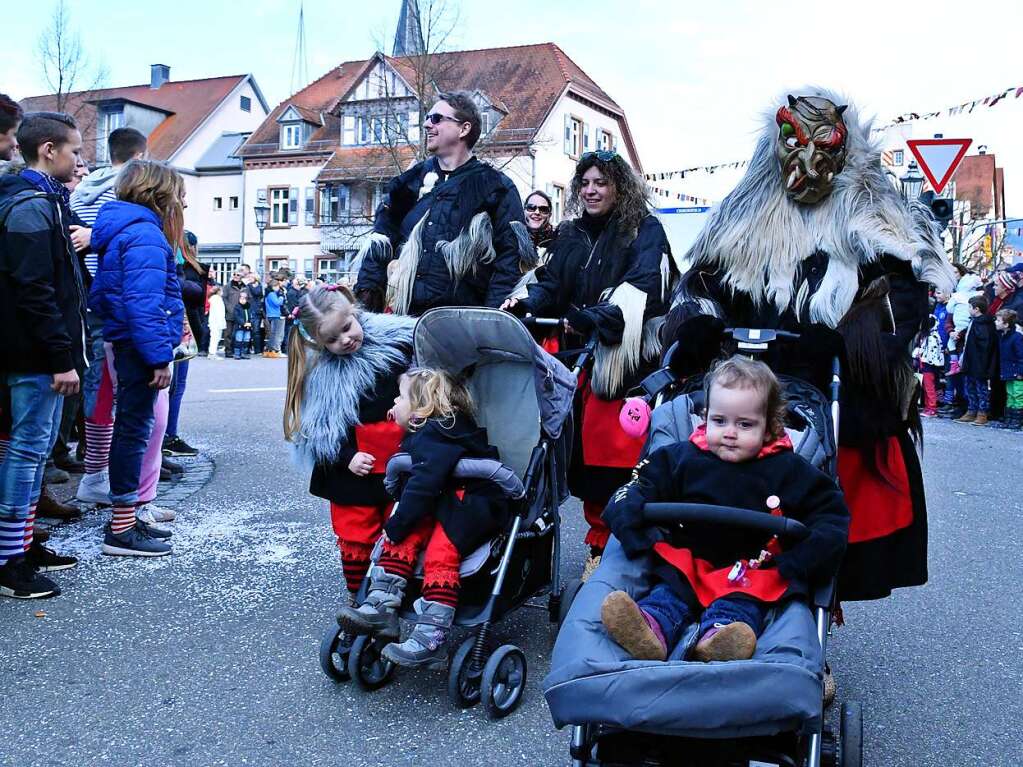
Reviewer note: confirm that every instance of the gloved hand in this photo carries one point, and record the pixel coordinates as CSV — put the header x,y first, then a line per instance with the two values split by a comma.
x,y
580,321
371,300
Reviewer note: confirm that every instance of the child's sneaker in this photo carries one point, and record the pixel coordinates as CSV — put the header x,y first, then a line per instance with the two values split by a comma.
x,y
733,641
94,488
378,614
133,542
631,627
425,645
152,514
46,560
20,580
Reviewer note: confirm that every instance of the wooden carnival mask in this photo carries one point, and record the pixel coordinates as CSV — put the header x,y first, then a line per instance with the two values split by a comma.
x,y
811,147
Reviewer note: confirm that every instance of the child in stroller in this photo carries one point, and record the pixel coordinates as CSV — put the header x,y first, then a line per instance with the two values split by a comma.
x,y
742,458
432,516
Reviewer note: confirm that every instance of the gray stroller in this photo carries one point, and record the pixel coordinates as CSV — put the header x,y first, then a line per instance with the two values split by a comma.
x,y
524,400
767,711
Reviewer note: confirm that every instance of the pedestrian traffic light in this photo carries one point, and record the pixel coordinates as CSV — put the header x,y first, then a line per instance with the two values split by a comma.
x,y
941,208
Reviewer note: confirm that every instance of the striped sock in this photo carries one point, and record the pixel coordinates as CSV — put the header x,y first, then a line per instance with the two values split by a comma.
x,y
123,519
30,525
5,441
355,572
97,446
12,538
443,593
395,566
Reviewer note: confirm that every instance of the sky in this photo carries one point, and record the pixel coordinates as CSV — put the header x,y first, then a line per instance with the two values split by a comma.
x,y
693,78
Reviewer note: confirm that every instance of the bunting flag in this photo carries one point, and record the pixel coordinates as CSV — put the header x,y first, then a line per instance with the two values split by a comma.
x,y
966,106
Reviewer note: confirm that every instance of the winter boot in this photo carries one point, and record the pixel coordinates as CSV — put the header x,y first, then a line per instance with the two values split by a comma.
x,y
632,628
424,647
968,417
733,641
1017,419
378,614
981,419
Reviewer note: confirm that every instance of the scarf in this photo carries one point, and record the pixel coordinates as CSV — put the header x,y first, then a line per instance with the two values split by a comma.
x,y
334,384
48,184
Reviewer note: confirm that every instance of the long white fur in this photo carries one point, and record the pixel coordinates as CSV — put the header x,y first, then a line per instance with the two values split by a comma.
x,y
757,237
374,242
612,364
408,265
334,384
473,246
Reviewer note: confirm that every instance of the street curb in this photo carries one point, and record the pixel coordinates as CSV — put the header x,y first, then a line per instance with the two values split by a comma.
x,y
199,471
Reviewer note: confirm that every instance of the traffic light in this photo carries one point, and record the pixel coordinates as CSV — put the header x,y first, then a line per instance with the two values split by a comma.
x,y
941,208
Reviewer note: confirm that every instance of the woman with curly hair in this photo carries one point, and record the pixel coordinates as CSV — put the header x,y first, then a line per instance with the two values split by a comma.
x,y
611,275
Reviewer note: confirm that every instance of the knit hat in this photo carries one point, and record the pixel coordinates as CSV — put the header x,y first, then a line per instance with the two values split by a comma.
x,y
1006,281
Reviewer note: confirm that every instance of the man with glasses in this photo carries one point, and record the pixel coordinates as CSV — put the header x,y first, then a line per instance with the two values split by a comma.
x,y
448,220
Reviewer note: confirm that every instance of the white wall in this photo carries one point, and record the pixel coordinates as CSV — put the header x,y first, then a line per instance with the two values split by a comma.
x,y
297,243
210,225
226,118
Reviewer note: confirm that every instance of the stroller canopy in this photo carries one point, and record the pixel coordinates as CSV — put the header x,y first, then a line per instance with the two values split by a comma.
x,y
519,388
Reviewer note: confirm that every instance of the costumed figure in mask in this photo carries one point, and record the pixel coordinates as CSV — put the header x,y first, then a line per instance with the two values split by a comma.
x,y
816,239
610,273
449,222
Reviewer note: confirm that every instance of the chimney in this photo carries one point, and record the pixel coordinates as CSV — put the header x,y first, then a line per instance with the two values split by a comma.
x,y
982,149
158,75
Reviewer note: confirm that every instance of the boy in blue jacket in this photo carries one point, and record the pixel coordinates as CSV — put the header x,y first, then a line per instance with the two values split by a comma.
x,y
1010,347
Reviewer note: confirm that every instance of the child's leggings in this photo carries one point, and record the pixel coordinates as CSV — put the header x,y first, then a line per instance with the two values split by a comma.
x,y
1014,394
441,579
930,390
357,529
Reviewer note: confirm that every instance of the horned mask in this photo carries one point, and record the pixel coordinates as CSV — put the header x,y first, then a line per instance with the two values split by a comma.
x,y
811,147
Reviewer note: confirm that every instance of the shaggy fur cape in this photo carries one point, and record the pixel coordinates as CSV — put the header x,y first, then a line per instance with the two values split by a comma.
x,y
757,237
334,384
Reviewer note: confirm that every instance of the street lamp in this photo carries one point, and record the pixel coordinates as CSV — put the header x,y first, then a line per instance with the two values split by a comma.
x,y
912,182
262,210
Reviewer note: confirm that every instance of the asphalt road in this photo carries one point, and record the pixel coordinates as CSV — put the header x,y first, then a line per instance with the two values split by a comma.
x,y
209,657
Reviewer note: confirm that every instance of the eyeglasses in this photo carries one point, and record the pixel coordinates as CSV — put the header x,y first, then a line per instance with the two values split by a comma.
x,y
545,209
604,155
436,118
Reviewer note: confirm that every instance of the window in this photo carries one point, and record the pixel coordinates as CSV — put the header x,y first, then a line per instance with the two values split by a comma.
x,y
484,123
897,157
558,200
348,130
246,104
310,206
110,120
232,203
605,141
218,203
334,199
574,136
291,136
279,206
275,263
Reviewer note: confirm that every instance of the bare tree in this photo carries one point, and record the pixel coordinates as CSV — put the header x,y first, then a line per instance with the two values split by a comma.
x,y
67,69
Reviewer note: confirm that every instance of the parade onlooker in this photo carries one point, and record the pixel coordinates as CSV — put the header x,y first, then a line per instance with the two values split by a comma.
x,y
136,294
930,354
243,319
256,311
10,119
294,294
958,308
193,277
979,362
1010,347
450,218
232,290
538,207
274,302
1004,294
43,316
217,319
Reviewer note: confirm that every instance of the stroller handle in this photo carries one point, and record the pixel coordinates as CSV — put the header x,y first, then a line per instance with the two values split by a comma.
x,y
671,513
541,321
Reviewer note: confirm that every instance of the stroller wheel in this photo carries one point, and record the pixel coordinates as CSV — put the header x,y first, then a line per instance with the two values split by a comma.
x,y
368,668
504,680
851,734
464,676
567,597
334,650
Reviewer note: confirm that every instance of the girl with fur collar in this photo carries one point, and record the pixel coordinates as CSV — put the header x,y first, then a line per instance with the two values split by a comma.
x,y
343,370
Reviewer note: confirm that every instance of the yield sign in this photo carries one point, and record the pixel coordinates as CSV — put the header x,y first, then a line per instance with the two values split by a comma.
x,y
939,158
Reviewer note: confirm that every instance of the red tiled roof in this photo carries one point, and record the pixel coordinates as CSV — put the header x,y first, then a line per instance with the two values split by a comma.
x,y
370,163
525,81
188,103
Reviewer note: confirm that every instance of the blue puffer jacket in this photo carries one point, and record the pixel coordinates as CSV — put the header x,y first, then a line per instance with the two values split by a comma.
x,y
136,290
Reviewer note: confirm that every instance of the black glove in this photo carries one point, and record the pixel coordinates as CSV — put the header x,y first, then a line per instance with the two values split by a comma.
x,y
637,537
519,309
580,321
371,300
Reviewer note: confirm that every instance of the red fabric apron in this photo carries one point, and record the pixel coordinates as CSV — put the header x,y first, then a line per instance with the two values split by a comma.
x,y
604,442
879,503
380,440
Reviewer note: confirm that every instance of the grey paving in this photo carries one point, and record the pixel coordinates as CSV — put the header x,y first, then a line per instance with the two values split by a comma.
x,y
209,657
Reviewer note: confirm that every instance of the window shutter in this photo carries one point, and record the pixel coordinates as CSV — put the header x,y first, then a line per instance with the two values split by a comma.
x,y
343,200
310,206
569,149
413,125
293,206
586,137
348,130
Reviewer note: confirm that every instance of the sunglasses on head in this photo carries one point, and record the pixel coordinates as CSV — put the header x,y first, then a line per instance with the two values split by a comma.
x,y
436,118
545,209
604,155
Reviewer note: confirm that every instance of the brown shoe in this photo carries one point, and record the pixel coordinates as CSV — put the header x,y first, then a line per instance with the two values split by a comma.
x,y
51,508
735,641
968,417
626,624
980,420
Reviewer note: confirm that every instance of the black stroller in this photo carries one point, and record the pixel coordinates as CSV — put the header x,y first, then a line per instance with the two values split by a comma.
x,y
767,711
524,399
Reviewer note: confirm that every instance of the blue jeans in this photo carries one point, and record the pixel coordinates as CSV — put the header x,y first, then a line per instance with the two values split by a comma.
x,y
955,388
977,396
276,333
241,342
133,425
97,359
35,422
672,613
177,392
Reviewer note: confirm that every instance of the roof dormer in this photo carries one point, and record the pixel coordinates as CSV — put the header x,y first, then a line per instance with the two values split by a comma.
x,y
297,125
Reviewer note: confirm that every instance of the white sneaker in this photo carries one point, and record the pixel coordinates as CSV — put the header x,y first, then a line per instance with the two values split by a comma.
x,y
151,514
94,488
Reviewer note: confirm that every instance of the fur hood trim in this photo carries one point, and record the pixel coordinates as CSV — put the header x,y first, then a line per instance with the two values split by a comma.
x,y
334,384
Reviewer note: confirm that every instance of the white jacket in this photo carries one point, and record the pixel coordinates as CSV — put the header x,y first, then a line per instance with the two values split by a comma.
x,y
218,315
